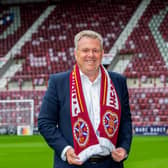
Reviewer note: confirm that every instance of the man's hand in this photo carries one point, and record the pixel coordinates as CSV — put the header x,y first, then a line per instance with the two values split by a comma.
x,y
118,154
72,158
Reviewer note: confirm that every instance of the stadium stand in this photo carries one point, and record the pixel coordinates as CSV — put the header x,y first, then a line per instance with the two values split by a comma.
x,y
50,49
14,22
149,106
47,47
19,117
148,43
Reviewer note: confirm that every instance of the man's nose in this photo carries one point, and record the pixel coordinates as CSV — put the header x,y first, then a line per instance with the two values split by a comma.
x,y
91,52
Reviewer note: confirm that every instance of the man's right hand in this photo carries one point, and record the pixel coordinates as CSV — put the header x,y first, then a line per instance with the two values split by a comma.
x,y
72,158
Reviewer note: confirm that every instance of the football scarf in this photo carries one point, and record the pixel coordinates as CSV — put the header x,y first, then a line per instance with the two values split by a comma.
x,y
86,141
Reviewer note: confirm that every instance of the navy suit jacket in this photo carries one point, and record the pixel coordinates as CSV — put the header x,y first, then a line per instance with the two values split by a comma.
x,y
54,121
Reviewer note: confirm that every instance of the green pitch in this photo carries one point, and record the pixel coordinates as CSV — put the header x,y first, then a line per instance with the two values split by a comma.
x,y
33,152
24,152
148,152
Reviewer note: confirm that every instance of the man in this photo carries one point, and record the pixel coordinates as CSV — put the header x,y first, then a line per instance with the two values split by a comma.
x,y
85,115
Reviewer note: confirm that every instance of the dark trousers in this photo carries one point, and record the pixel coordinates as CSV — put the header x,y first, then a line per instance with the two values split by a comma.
x,y
108,163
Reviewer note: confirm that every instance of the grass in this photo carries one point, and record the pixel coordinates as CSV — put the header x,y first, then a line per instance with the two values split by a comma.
x,y
148,152
33,152
24,152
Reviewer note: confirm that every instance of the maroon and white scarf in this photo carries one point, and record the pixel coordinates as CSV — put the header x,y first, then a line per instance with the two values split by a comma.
x,y
86,142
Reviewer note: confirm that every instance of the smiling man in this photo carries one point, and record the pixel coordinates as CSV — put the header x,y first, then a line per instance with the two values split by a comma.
x,y
88,54
85,115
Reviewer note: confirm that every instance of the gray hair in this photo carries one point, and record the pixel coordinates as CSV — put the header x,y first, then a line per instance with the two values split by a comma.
x,y
90,34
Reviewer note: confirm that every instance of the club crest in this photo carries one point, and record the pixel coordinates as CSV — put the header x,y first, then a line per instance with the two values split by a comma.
x,y
81,132
110,123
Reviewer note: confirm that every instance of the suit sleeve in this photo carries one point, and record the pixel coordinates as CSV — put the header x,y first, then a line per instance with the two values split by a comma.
x,y
48,119
125,131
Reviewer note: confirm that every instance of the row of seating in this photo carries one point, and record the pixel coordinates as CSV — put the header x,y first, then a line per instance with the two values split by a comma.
x,y
14,112
22,19
149,106
52,44
147,42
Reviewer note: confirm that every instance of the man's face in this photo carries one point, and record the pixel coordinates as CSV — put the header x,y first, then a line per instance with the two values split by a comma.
x,y
89,55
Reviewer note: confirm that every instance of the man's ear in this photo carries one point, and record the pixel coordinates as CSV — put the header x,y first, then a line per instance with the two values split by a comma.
x,y
75,53
102,52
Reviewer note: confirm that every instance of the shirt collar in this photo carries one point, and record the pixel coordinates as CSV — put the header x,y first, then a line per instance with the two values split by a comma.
x,y
85,77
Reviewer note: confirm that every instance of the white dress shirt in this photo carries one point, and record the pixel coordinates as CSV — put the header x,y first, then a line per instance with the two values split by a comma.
x,y
91,92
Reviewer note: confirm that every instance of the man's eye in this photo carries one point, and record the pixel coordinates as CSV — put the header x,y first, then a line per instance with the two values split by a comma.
x,y
85,50
96,51
88,50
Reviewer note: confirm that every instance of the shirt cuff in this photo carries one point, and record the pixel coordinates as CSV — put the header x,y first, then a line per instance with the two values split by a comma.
x,y
63,154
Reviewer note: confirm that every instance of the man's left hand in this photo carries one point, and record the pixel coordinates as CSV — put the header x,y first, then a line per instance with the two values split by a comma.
x,y
119,154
